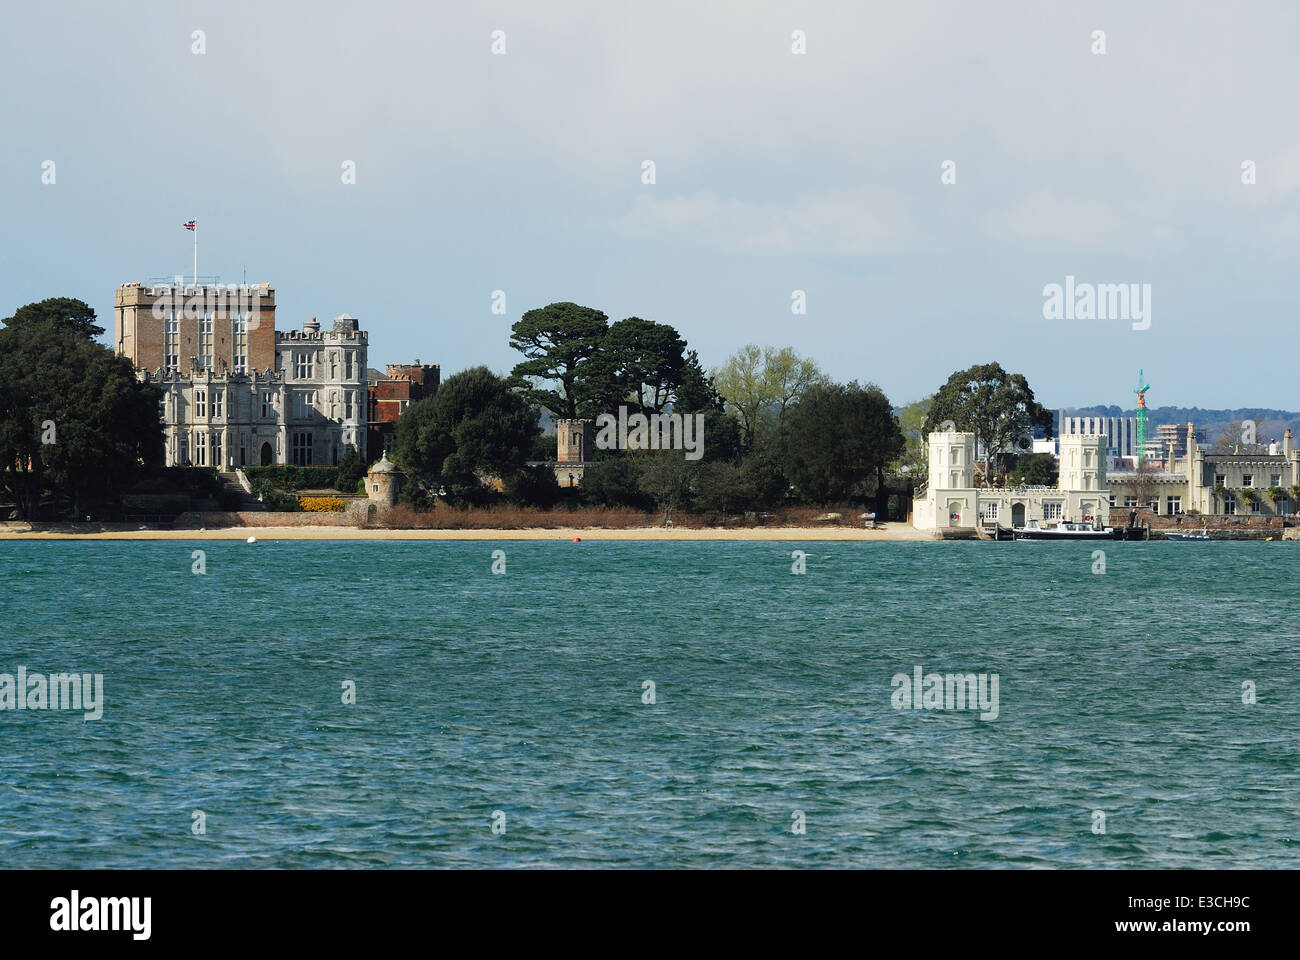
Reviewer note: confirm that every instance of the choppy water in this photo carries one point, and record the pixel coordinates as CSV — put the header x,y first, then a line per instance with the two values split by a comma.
x,y
522,693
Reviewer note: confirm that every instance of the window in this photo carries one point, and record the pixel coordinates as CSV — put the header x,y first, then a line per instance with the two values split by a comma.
x,y
334,404
1111,499
304,404
217,398
303,365
1255,505
347,405
200,450
1275,480
268,405
1154,504
183,451
988,511
239,324
1219,479
217,450
347,364
172,361
1229,504
200,403
1052,510
302,449
1130,501
205,341
334,365
1173,505
1247,480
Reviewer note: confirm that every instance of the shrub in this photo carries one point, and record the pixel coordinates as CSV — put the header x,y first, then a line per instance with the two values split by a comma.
x,y
533,486
296,478
321,504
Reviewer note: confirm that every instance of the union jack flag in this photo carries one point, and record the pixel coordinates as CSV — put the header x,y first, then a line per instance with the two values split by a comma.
x,y
191,224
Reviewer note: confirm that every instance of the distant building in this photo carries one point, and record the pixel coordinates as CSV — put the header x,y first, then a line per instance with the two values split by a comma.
x,y
574,441
1120,432
236,391
390,393
1191,482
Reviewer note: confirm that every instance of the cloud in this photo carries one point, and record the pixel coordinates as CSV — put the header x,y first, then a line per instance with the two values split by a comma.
x,y
1048,221
857,222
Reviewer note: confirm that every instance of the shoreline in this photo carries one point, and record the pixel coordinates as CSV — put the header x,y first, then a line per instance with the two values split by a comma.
x,y
891,532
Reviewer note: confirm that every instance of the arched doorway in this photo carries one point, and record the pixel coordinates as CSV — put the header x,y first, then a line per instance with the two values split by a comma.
x,y
954,514
1017,514
267,455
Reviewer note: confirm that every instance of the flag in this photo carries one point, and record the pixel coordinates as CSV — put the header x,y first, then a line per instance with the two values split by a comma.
x,y
191,225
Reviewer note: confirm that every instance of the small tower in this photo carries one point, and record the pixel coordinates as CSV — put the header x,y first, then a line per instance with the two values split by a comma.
x,y
573,441
383,483
1083,462
952,460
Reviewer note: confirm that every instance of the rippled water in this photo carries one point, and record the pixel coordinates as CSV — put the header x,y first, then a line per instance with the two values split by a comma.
x,y
1120,692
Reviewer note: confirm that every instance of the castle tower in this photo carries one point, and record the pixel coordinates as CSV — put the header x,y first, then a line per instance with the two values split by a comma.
x,y
383,483
1083,462
952,460
573,441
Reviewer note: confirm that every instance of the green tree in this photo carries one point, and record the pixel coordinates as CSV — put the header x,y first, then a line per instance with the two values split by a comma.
x,y
915,459
836,438
66,313
557,341
638,363
614,483
998,407
351,469
665,477
75,424
760,383
1036,469
474,427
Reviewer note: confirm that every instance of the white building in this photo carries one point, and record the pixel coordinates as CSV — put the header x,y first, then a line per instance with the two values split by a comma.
x,y
950,498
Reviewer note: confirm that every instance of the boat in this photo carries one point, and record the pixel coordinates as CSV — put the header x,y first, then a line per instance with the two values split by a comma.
x,y
1069,530
1189,535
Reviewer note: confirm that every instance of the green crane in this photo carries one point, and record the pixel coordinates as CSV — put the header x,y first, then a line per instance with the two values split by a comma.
x,y
1141,391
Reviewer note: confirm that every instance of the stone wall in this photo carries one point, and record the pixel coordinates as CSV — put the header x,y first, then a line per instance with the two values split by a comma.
x,y
354,516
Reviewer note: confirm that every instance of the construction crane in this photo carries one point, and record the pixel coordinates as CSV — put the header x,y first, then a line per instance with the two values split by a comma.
x,y
1141,391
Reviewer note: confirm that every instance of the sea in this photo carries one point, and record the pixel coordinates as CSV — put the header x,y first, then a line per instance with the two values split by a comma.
x,y
289,704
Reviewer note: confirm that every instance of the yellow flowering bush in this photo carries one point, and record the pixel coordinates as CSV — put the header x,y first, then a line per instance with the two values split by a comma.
x,y
321,504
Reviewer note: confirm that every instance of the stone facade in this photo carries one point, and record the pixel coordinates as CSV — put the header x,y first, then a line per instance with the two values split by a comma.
x,y
951,499
237,392
1191,481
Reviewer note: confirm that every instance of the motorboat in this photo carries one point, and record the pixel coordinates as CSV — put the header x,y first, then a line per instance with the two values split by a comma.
x,y
1068,530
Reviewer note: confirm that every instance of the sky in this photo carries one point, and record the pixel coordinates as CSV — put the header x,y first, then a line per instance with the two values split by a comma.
x,y
774,172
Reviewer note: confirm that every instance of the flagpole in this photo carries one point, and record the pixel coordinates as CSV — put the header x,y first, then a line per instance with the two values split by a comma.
x,y
196,253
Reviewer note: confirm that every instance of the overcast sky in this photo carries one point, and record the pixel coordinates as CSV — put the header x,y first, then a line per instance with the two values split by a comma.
x,y
775,172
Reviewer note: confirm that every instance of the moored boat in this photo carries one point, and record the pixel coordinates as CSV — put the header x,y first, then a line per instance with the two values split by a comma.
x,y
1063,531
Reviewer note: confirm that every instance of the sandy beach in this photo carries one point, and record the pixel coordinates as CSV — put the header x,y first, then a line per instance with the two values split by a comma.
x,y
888,532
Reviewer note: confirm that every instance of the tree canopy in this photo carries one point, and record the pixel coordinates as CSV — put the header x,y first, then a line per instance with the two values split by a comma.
x,y
473,427
75,422
66,313
760,383
998,407
557,340
637,363
837,437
